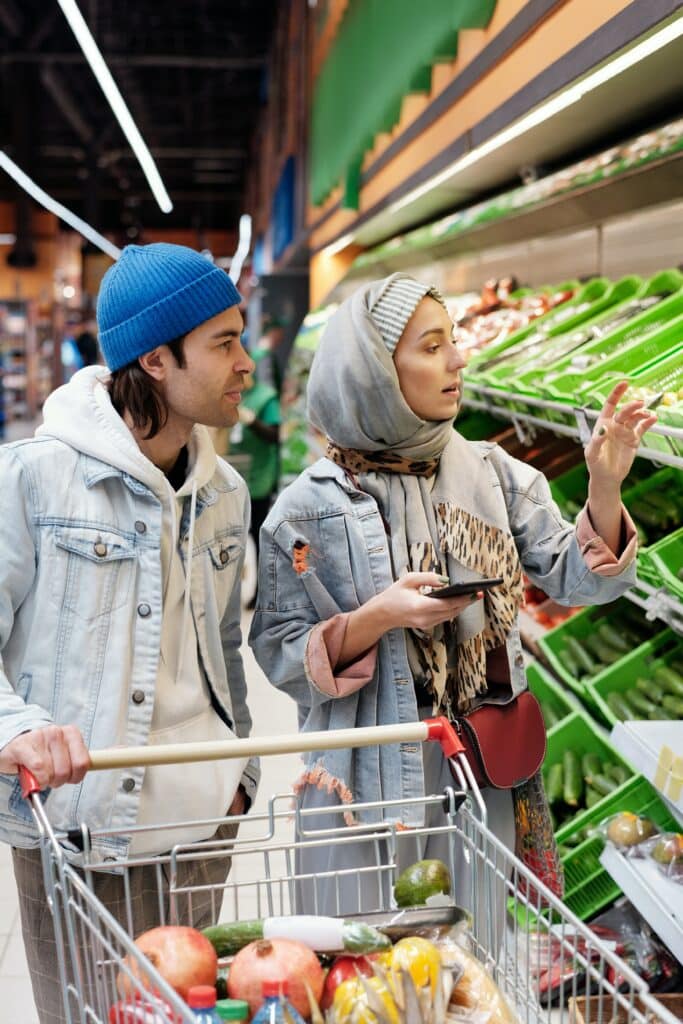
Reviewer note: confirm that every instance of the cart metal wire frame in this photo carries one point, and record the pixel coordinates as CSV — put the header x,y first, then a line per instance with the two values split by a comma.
x,y
542,958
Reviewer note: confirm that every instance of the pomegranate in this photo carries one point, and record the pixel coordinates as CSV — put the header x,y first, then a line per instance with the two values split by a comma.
x,y
182,956
276,960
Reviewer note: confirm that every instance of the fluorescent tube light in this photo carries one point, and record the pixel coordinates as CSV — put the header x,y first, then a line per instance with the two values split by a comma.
x,y
548,109
60,211
242,250
116,102
334,247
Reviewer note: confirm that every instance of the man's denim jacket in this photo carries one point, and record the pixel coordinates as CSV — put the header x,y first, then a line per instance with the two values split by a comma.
x,y
342,560
80,631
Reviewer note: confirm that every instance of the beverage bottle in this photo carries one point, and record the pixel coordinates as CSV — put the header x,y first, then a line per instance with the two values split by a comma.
x,y
202,1001
274,1002
233,1009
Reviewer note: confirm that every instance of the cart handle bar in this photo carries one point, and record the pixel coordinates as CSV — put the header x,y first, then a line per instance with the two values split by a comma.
x,y
438,730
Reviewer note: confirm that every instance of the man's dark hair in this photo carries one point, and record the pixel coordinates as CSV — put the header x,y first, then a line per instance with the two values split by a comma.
x,y
132,390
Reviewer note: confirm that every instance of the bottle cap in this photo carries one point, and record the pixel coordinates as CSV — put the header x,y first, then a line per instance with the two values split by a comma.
x,y
275,987
201,997
232,1009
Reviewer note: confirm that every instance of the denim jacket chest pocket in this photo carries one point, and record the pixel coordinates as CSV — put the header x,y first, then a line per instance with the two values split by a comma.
x,y
92,569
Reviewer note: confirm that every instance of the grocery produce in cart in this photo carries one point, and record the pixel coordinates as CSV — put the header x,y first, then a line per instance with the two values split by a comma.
x,y
182,956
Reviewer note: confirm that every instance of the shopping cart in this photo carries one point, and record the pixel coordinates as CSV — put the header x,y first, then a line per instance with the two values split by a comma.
x,y
542,957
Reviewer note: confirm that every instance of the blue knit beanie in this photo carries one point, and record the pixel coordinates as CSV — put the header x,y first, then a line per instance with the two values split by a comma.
x,y
154,294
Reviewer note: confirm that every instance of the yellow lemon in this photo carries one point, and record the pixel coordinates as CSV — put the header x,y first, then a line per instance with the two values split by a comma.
x,y
420,958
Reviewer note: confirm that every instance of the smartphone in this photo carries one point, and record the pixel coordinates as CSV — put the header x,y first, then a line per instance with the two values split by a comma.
x,y
471,587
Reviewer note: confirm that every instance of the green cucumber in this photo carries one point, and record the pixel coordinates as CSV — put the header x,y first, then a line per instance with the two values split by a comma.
x,y
662,715
642,704
612,637
603,785
649,688
669,679
601,650
618,706
551,716
673,704
592,797
618,772
572,790
571,664
555,783
586,664
590,765
228,939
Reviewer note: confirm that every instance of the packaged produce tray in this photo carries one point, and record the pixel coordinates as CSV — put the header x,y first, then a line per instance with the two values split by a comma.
x,y
616,628
556,704
663,562
663,376
593,300
626,349
576,308
612,690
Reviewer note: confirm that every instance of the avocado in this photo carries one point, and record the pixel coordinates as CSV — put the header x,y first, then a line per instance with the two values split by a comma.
x,y
420,881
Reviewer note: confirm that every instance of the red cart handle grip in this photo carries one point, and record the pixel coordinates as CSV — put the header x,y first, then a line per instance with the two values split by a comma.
x,y
443,732
29,783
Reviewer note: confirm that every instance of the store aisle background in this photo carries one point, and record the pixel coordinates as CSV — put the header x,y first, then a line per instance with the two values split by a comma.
x,y
273,713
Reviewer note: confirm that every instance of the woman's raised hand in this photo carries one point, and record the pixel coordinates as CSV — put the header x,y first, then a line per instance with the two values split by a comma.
x,y
616,438
405,604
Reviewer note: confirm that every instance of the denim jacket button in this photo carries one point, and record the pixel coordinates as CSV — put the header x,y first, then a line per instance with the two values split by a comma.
x,y
519,660
128,785
224,556
138,696
144,611
100,548
140,527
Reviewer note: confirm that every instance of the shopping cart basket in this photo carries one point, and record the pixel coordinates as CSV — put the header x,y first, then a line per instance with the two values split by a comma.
x,y
542,958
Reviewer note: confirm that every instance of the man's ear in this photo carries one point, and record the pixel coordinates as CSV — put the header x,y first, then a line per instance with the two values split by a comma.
x,y
154,362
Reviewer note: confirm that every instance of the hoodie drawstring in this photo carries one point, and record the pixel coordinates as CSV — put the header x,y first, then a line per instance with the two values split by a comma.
x,y
188,580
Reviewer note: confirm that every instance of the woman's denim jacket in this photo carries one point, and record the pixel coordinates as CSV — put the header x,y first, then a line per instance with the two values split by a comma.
x,y
80,631
324,552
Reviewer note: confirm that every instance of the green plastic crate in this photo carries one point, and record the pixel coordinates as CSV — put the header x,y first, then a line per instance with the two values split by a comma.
x,y
588,887
665,648
566,340
571,489
586,296
668,481
580,734
552,643
548,690
664,560
593,300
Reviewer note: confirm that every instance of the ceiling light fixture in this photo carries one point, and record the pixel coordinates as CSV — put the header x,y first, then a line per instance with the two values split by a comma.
x,y
242,250
60,211
548,109
336,247
116,102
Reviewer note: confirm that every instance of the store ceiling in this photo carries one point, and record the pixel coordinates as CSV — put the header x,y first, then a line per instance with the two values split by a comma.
x,y
194,78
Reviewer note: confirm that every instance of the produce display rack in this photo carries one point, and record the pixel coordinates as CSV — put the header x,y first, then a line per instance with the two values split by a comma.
x,y
657,898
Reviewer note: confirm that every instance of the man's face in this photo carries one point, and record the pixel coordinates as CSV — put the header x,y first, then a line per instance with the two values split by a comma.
x,y
208,388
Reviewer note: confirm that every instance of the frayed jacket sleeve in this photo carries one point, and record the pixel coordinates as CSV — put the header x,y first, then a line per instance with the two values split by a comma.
x,y
571,563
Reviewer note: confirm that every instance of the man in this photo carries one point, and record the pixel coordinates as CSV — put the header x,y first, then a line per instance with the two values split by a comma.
x,y
122,538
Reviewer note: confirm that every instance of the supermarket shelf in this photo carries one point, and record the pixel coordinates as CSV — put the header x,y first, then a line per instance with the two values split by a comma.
x,y
526,424
659,900
655,749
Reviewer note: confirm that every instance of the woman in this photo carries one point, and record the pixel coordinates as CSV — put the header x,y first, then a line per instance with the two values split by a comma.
x,y
400,505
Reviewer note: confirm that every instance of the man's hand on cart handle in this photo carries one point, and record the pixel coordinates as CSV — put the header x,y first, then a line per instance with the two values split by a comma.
x,y
438,730
54,755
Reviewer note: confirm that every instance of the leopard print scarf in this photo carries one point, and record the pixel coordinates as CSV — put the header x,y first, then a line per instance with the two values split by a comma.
x,y
440,535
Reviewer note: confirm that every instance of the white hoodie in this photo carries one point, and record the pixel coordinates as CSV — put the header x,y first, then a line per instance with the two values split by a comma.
x,y
81,414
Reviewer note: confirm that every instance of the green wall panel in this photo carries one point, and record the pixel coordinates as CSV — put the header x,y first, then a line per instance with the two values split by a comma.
x,y
384,50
